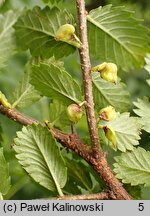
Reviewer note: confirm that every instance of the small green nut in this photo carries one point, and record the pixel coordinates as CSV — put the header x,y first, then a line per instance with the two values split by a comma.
x,y
65,32
99,67
111,136
108,113
108,71
74,112
3,101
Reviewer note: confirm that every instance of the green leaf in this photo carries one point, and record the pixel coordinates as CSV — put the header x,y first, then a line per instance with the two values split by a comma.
x,y
148,81
55,82
115,35
147,60
134,191
134,167
71,188
106,93
78,172
127,130
147,66
36,29
39,155
58,114
143,110
0,135
4,174
7,39
52,60
25,94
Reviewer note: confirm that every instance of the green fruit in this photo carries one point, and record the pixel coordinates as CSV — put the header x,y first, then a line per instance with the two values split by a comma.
x,y
108,113
65,32
111,136
108,71
3,101
99,67
74,112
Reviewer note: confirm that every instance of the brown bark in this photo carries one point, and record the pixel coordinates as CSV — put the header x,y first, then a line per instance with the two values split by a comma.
x,y
95,156
74,142
87,79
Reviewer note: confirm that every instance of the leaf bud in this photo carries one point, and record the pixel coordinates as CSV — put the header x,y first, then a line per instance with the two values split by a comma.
x,y
108,71
107,114
3,101
74,112
48,124
65,32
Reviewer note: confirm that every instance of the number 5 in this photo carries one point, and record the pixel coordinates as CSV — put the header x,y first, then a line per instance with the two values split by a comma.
x,y
141,206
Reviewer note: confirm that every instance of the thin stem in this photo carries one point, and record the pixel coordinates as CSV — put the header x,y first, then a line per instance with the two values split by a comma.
x,y
98,196
87,79
73,128
17,116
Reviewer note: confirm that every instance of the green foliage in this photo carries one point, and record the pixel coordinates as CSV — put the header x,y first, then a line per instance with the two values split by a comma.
x,y
35,30
147,60
147,66
25,94
148,81
115,35
143,110
7,39
4,174
39,155
127,131
134,167
134,191
4,101
58,115
71,188
106,93
78,172
52,1
0,135
54,82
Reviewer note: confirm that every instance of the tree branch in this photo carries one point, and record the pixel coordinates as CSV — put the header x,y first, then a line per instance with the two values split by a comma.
x,y
71,141
99,161
87,79
74,142
98,196
17,116
104,171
